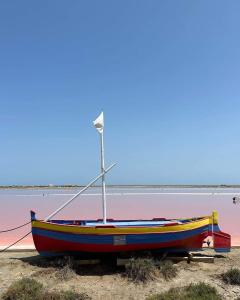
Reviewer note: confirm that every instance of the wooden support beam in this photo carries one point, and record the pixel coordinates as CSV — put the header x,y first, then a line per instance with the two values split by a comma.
x,y
206,259
83,262
191,258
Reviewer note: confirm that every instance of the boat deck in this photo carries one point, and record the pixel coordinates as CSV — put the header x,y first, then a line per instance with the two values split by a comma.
x,y
118,223
134,223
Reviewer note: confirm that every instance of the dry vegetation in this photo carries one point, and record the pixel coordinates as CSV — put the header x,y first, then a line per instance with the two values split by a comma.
x,y
142,270
232,276
30,289
199,291
144,278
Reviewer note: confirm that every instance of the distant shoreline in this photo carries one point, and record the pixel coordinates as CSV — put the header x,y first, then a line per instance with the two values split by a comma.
x,y
69,186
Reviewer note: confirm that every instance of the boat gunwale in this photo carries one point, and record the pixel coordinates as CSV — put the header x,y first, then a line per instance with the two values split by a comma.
x,y
191,225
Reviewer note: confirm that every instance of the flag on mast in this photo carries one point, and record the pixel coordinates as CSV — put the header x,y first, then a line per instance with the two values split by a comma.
x,y
99,123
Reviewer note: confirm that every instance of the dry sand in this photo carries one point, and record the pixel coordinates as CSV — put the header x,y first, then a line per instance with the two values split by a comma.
x,y
104,283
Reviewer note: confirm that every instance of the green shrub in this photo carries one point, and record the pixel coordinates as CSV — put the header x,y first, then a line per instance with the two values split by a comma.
x,y
202,291
167,269
141,270
172,294
199,291
23,289
232,276
30,289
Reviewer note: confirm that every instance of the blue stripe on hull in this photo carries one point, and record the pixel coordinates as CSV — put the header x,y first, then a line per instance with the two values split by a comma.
x,y
220,250
130,238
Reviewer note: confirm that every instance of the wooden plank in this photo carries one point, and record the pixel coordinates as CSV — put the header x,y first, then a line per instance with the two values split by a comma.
x,y
122,261
178,258
206,259
83,262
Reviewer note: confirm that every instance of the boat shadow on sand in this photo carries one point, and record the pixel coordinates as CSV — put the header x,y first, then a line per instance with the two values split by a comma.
x,y
100,265
88,267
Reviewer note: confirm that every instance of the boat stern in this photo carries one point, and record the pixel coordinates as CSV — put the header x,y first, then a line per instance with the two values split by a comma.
x,y
221,240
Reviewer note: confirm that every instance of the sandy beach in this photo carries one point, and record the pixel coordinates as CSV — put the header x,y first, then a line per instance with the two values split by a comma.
x,y
105,282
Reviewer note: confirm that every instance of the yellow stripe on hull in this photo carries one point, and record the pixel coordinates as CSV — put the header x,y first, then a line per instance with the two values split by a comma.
x,y
81,229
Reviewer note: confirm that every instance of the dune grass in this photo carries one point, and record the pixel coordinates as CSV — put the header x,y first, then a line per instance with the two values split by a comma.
x,y
232,276
146,269
199,291
65,273
30,289
24,289
167,269
141,270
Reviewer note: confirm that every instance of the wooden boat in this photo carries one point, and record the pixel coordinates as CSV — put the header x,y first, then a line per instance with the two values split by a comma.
x,y
62,237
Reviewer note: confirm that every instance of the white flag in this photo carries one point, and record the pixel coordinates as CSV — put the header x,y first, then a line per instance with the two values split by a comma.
x,y
99,123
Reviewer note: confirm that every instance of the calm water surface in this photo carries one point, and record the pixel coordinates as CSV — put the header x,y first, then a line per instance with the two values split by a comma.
x,y
122,203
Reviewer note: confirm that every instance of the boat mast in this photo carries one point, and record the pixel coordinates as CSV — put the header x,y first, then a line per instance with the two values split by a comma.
x,y
99,125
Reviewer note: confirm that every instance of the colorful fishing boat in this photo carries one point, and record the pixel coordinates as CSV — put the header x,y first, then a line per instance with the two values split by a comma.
x,y
69,237
60,237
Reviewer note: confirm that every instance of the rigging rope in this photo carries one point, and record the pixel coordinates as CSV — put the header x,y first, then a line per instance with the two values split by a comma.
x,y
11,229
15,242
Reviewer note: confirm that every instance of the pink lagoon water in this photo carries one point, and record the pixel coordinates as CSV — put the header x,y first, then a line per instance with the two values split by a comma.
x,y
122,203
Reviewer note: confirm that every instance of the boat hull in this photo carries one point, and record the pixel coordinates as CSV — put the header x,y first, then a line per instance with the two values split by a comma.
x,y
60,239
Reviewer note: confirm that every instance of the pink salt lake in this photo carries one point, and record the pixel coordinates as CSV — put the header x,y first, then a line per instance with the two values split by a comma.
x,y
122,203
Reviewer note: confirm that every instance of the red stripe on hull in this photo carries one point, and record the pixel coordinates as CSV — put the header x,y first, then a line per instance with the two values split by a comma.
x,y
46,244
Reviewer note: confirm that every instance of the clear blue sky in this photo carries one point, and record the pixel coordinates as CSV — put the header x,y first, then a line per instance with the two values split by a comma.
x,y
165,73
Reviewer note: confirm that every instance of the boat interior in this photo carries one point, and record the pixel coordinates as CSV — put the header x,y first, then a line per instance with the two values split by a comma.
x,y
119,223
